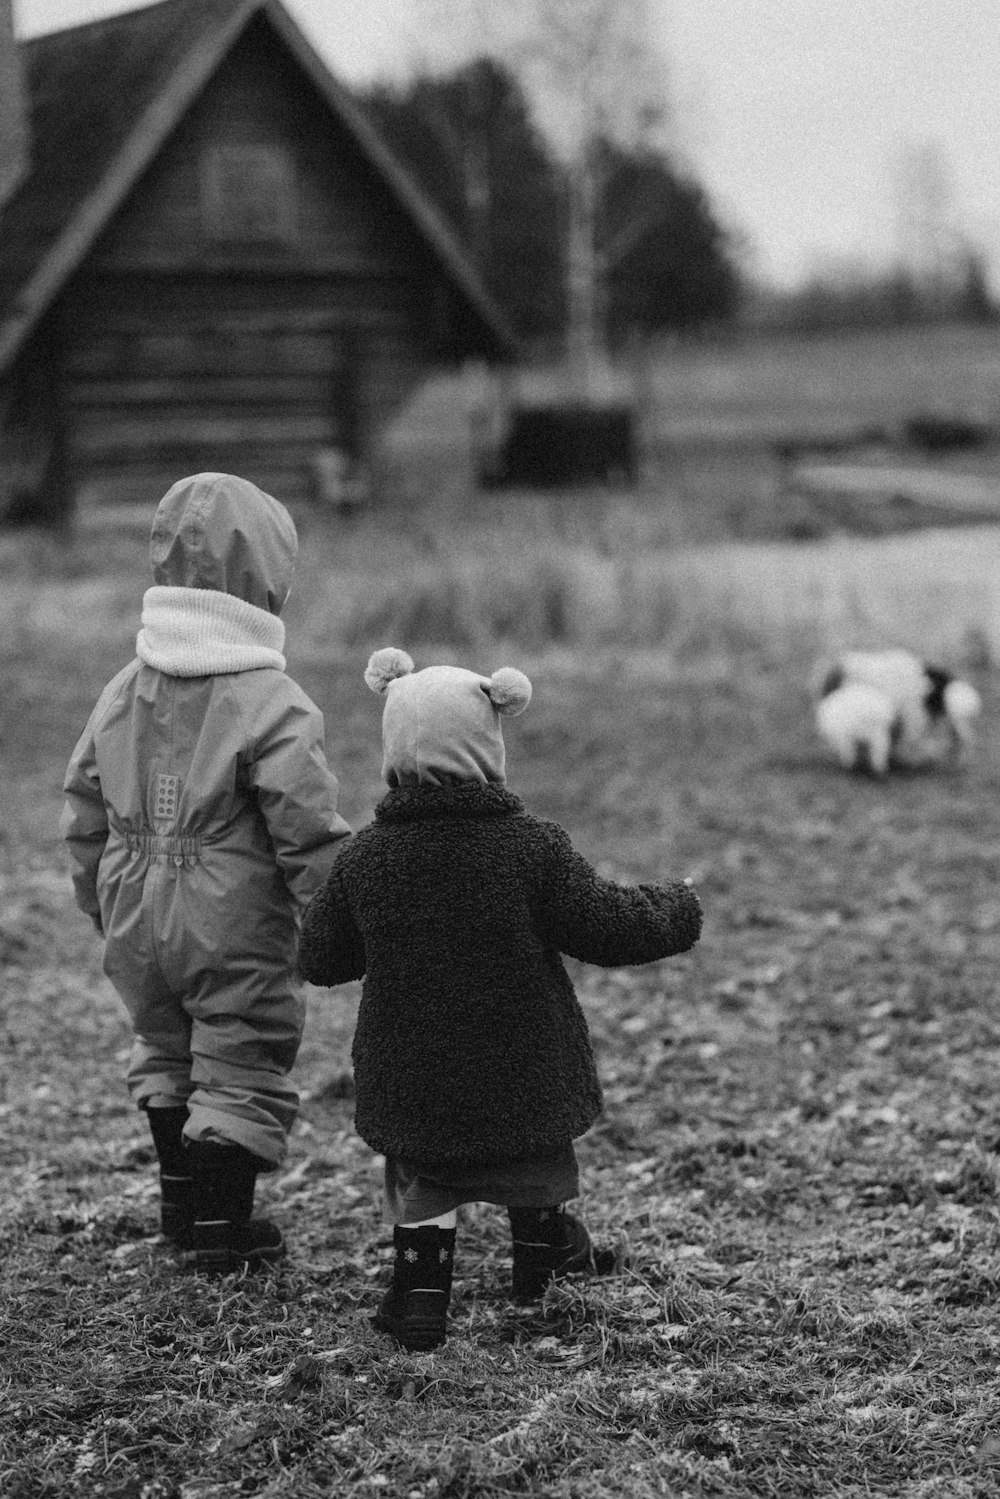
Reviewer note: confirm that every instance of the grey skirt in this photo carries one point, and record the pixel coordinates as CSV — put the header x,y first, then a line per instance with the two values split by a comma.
x,y
414,1193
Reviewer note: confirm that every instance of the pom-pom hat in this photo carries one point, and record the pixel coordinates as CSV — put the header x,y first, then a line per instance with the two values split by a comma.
x,y
442,724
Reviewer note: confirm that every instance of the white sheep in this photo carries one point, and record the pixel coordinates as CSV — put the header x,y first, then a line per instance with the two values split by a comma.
x,y
879,709
859,723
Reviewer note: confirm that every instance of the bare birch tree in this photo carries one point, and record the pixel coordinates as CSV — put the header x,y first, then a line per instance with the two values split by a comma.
x,y
594,72
931,246
597,76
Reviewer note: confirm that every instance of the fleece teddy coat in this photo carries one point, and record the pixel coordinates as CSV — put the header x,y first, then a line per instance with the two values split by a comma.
x,y
454,905
201,815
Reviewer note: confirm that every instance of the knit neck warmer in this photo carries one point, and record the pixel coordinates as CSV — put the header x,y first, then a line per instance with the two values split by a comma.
x,y
199,632
463,799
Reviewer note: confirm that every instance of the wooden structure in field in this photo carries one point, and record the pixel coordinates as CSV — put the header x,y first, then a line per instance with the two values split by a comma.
x,y
212,263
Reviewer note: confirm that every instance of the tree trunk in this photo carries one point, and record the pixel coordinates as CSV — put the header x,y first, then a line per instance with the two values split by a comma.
x,y
582,334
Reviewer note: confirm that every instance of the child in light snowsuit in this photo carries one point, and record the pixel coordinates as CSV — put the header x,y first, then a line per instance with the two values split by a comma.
x,y
201,816
473,1066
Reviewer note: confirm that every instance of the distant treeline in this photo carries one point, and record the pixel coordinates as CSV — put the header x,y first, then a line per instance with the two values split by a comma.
x,y
898,298
663,260
664,263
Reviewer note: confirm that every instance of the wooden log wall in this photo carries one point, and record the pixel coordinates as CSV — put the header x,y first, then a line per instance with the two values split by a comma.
x,y
187,349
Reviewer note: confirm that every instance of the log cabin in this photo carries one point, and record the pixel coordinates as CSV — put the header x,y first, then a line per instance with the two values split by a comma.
x,y
211,261
13,123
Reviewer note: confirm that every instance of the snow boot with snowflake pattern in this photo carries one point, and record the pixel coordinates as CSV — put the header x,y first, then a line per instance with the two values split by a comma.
x,y
414,1310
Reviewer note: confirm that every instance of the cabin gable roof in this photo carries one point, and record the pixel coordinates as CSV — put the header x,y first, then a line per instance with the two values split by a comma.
x,y
13,127
103,99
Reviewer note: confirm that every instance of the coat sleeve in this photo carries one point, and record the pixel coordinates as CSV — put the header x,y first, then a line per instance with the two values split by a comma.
x,y
296,790
331,948
601,922
84,822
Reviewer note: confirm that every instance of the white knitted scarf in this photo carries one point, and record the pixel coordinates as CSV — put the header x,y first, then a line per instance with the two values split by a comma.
x,y
199,632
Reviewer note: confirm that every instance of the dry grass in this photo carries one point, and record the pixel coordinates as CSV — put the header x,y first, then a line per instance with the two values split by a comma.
x,y
485,586
936,591
790,385
801,1138
799,1149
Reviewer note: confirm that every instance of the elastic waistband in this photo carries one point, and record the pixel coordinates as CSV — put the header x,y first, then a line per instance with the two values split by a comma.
x,y
156,845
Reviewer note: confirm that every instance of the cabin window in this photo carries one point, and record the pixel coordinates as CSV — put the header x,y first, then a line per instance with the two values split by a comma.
x,y
248,193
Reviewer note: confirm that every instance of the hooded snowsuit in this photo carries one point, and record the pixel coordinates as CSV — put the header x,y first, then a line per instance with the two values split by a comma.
x,y
201,816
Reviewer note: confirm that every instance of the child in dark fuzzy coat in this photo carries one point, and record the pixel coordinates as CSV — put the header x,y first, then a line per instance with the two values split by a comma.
x,y
473,1066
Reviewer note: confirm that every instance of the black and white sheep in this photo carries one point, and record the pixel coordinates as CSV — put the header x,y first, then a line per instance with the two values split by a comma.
x,y
882,709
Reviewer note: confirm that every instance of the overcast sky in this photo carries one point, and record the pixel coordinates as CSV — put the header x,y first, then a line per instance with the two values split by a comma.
x,y
802,118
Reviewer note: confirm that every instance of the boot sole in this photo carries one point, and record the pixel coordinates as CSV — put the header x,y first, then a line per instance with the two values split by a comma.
x,y
420,1327
227,1262
416,1334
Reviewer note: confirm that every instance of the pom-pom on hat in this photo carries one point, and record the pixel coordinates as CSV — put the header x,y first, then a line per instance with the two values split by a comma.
x,y
442,724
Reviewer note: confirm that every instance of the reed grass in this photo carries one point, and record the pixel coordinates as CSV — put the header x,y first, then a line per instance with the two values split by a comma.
x,y
611,578
935,591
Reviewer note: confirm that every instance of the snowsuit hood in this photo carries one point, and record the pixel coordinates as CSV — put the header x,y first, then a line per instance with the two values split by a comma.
x,y
221,532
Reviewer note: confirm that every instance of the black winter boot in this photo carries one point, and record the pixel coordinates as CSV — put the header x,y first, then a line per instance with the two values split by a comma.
x,y
548,1244
176,1218
415,1308
224,1237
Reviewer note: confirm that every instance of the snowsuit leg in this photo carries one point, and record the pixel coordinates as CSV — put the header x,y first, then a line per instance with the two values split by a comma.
x,y
220,1041
243,1047
159,1069
160,1062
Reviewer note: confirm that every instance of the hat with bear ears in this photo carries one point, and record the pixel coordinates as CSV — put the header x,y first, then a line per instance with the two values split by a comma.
x,y
442,724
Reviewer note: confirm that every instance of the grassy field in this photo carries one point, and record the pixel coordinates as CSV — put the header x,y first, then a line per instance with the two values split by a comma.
x,y
712,417
788,385
800,1152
